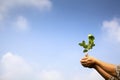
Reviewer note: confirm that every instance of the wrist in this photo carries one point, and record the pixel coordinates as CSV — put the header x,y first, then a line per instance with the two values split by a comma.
x,y
95,61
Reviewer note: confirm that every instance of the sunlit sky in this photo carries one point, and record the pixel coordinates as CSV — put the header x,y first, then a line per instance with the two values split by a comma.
x,y
39,38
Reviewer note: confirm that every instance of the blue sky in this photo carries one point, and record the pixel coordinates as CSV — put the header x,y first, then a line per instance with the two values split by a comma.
x,y
39,38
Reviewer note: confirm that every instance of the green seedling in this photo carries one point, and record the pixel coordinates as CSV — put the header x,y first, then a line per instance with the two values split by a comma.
x,y
89,45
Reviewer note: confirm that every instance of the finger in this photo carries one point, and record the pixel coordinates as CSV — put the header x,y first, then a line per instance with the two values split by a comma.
x,y
83,61
85,65
84,58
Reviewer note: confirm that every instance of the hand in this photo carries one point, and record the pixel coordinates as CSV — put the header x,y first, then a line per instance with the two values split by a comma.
x,y
88,61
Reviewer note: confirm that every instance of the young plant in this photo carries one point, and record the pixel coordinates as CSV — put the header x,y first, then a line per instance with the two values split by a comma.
x,y
89,45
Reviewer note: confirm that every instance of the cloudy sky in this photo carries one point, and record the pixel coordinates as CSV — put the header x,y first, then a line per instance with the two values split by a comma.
x,y
39,38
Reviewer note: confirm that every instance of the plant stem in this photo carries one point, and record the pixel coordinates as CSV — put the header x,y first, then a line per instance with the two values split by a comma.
x,y
86,54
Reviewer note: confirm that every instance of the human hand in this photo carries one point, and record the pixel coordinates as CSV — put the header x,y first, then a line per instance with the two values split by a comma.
x,y
88,61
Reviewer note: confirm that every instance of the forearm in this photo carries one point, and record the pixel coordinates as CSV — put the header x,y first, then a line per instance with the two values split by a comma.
x,y
104,74
109,68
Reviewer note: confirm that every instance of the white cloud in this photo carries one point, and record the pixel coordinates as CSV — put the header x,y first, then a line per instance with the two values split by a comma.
x,y
16,68
7,5
50,75
111,29
93,75
21,23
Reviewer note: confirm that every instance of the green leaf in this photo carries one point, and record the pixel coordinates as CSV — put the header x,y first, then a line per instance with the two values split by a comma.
x,y
89,45
83,44
85,50
91,37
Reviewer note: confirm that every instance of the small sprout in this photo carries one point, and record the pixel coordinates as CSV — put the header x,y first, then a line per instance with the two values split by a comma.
x,y
89,45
